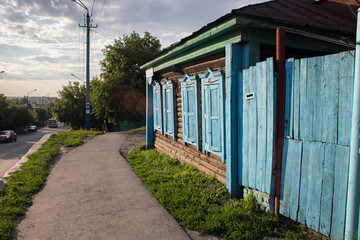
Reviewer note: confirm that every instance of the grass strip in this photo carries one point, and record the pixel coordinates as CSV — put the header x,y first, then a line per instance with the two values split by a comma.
x,y
136,130
22,185
201,203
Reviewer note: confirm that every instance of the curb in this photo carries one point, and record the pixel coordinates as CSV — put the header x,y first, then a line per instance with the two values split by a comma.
x,y
24,159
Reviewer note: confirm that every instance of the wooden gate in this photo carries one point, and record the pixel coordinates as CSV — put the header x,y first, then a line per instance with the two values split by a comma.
x,y
317,133
256,118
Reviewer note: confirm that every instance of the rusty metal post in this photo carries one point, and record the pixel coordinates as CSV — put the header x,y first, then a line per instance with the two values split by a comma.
x,y
280,112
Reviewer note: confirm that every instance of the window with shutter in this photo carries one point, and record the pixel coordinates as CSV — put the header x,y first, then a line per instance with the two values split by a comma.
x,y
168,108
157,107
212,89
190,106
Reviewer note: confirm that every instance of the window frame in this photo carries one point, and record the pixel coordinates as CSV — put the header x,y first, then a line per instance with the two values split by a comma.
x,y
157,106
168,107
213,80
187,82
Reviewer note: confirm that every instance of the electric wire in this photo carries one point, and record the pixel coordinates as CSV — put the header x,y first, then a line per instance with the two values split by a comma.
x,y
351,8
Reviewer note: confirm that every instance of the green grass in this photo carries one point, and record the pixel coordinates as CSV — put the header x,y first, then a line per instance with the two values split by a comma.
x,y
22,185
140,129
201,203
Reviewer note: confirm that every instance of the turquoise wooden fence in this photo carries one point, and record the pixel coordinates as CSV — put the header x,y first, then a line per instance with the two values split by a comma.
x,y
317,141
257,145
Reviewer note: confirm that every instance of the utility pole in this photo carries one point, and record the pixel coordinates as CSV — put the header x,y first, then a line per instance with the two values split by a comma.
x,y
88,26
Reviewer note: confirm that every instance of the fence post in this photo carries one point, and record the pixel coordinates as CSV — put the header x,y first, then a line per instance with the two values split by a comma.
x,y
280,112
352,206
149,116
233,53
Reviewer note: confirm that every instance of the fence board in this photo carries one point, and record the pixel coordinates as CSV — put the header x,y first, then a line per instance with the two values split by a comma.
x,y
346,83
305,114
285,190
252,129
245,127
270,99
329,92
315,172
296,99
304,182
340,190
296,149
288,124
327,189
290,178
261,123
317,91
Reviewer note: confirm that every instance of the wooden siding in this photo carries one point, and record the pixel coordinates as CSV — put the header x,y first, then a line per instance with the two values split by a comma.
x,y
185,152
256,164
316,148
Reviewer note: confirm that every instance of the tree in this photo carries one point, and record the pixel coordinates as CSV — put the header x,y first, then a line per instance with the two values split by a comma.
x,y
4,113
21,115
12,115
42,114
70,108
120,95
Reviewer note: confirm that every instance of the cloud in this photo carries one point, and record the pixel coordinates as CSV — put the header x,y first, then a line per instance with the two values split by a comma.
x,y
41,42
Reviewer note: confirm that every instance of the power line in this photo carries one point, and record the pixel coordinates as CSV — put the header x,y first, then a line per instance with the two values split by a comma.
x,y
111,38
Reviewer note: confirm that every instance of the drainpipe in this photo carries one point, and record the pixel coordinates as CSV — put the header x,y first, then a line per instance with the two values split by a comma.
x,y
280,112
352,206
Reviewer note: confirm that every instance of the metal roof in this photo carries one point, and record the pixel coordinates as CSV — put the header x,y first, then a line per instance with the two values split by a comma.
x,y
337,16
331,15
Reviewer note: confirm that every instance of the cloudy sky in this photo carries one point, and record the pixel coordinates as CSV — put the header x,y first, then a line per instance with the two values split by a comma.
x,y
41,44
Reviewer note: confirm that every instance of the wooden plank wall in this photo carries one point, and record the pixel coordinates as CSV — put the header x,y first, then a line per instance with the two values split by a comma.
x,y
255,168
317,141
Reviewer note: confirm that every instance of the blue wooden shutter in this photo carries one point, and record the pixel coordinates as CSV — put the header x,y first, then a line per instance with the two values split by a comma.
x,y
212,85
190,106
157,107
168,108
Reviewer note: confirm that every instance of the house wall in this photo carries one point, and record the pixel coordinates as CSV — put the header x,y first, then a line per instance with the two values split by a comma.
x,y
207,163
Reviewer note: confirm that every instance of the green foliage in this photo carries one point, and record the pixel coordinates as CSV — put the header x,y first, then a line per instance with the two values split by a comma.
x,y
12,115
70,108
120,95
42,114
17,196
201,203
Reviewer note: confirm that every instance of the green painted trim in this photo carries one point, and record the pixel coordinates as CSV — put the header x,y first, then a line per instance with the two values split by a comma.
x,y
209,35
202,50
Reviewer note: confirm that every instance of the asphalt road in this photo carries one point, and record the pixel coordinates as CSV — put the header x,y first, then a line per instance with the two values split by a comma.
x,y
11,153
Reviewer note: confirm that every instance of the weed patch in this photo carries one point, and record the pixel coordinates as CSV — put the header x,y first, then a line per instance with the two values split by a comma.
x,y
201,203
17,196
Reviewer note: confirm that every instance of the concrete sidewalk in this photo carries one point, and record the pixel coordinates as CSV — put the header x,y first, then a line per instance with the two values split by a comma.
x,y
92,193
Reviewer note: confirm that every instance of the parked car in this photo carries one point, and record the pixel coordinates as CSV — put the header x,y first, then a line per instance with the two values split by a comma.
x,y
8,136
32,128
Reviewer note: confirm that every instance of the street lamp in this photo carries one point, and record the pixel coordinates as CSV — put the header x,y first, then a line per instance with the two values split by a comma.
x,y
27,96
88,26
77,78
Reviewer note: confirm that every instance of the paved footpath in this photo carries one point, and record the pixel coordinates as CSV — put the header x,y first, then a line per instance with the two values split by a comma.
x,y
92,193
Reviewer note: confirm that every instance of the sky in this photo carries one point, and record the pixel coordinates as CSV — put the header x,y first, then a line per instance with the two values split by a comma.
x,y
41,43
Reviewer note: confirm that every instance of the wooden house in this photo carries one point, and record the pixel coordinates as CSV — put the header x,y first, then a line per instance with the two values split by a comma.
x,y
211,99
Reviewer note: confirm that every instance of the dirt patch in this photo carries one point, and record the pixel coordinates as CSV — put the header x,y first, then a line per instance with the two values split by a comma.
x,y
132,140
